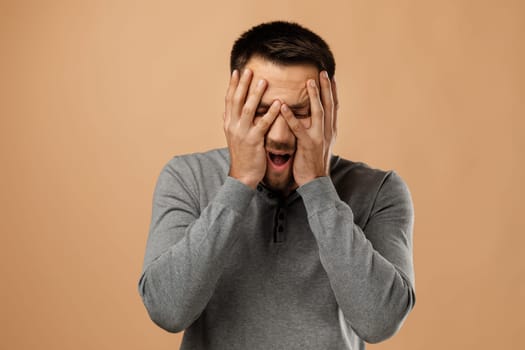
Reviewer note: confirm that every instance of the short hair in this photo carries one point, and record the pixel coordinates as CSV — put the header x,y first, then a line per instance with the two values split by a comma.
x,y
282,43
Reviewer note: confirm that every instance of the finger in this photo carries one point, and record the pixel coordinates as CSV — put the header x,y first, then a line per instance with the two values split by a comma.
x,y
239,96
315,106
327,99
334,93
336,103
326,90
234,81
293,123
252,102
267,120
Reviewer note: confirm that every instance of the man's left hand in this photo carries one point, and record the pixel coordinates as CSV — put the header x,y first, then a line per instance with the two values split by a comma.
x,y
314,144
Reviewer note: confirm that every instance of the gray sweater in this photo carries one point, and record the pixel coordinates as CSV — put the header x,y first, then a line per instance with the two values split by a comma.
x,y
328,267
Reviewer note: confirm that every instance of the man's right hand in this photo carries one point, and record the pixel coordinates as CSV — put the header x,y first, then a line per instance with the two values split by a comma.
x,y
244,136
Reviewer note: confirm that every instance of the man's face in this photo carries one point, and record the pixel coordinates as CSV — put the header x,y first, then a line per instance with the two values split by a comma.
x,y
287,84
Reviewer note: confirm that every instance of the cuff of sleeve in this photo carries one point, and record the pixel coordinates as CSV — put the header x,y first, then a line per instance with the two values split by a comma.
x,y
235,194
318,194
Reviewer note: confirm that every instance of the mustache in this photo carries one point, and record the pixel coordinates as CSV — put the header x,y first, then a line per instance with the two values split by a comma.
x,y
280,146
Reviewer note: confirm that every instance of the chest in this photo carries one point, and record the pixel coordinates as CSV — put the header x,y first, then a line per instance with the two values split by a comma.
x,y
275,258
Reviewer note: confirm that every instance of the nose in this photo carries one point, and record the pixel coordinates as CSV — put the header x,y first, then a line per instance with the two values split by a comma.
x,y
280,132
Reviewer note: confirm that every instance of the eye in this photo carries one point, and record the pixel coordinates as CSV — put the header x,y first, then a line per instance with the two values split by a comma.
x,y
302,115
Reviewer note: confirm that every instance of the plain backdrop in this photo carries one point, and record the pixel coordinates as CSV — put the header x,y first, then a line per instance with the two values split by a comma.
x,y
96,96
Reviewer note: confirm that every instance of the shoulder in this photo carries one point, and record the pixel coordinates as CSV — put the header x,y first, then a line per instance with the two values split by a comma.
x,y
212,161
362,186
356,178
195,173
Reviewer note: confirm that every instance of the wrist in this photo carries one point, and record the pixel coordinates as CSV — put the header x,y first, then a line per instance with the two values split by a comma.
x,y
303,180
246,180
307,180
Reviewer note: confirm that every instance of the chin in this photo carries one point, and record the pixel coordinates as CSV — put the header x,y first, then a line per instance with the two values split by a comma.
x,y
283,185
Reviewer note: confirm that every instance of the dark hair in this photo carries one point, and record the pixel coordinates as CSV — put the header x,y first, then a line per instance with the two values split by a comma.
x,y
283,43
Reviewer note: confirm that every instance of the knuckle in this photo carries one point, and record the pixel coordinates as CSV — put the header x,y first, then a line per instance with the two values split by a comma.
x,y
231,127
296,127
236,99
263,124
247,110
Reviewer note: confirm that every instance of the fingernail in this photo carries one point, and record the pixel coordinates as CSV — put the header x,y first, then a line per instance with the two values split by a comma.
x,y
312,83
284,108
260,83
234,72
325,73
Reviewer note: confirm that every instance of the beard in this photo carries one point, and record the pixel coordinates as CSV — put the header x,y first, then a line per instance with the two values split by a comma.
x,y
282,183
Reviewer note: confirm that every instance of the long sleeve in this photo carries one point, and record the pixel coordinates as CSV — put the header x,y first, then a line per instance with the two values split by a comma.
x,y
187,249
371,270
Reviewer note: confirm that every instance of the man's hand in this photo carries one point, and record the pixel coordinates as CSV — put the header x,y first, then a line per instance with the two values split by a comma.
x,y
314,144
246,138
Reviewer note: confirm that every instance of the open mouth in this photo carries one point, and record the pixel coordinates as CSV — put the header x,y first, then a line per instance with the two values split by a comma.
x,y
279,159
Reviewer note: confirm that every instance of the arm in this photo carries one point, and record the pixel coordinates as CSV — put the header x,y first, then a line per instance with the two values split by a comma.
x,y
187,250
371,271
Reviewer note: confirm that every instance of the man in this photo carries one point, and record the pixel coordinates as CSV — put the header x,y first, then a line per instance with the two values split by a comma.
x,y
275,243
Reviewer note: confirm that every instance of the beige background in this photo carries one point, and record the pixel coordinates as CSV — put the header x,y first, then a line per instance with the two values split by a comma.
x,y
96,96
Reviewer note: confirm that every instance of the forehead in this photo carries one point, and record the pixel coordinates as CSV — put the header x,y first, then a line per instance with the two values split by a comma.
x,y
287,83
